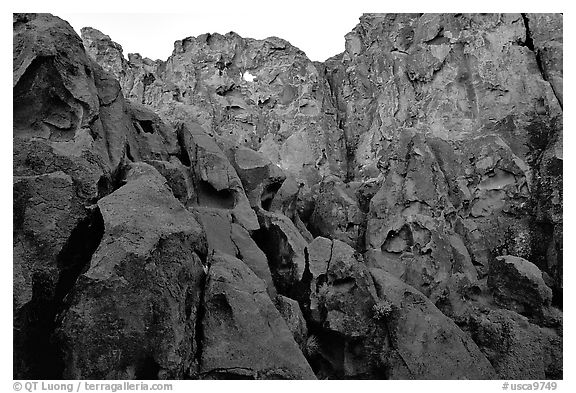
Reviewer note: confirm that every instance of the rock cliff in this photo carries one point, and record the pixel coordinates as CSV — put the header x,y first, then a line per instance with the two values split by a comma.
x,y
239,211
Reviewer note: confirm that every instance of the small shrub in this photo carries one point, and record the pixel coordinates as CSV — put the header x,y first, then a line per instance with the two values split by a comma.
x,y
312,346
382,310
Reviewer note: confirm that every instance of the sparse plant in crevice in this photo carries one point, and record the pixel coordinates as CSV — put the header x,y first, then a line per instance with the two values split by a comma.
x,y
383,310
322,292
312,347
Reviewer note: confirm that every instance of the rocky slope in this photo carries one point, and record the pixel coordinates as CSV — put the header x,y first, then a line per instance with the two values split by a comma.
x,y
238,211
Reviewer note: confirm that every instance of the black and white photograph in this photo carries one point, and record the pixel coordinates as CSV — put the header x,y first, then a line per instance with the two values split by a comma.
x,y
278,193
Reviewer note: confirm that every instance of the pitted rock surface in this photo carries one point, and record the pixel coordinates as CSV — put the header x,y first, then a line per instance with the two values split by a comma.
x,y
239,211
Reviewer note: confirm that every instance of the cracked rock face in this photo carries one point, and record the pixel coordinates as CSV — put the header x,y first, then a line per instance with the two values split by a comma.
x,y
264,94
238,211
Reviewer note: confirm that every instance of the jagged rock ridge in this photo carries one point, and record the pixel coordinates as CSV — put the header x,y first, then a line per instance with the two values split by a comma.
x,y
238,211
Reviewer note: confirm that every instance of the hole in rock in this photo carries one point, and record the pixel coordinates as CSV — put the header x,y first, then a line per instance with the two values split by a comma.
x,y
248,77
146,126
398,241
211,197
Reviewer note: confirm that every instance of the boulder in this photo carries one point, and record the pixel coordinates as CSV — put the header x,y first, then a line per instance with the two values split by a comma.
x,y
425,344
46,212
336,212
319,255
347,338
292,314
285,248
287,200
179,179
216,183
349,293
54,89
244,336
372,325
518,285
227,237
260,177
152,139
132,315
517,348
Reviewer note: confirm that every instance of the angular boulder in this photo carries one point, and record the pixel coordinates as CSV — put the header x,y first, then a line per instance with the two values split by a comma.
x,y
178,177
292,314
517,348
225,236
133,313
216,182
244,336
518,285
336,212
425,344
347,339
260,177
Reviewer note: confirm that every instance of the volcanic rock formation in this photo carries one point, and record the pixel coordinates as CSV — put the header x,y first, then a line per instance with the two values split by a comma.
x,y
239,211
